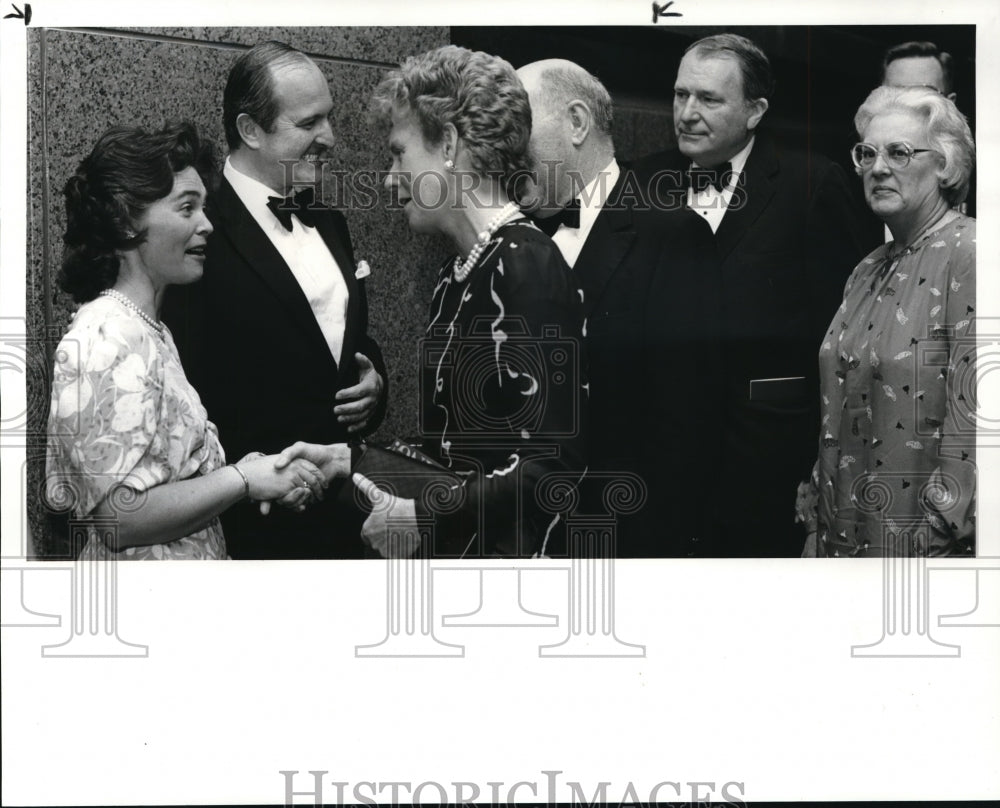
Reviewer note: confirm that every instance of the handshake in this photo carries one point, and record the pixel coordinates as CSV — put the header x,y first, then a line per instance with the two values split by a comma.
x,y
300,474
297,476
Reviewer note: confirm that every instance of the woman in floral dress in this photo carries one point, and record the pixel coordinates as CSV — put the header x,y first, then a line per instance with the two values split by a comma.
x,y
129,442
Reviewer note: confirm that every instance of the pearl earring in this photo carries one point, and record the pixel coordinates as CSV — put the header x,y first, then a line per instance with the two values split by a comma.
x,y
449,164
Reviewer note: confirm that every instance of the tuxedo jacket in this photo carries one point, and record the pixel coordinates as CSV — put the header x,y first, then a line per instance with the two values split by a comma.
x,y
648,279
251,346
788,241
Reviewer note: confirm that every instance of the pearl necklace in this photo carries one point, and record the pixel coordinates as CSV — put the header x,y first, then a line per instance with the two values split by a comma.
x,y
462,269
127,303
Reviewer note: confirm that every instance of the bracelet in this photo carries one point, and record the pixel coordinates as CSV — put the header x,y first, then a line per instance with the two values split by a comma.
x,y
246,482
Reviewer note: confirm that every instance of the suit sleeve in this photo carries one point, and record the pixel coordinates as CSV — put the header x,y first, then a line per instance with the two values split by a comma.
x,y
684,365
836,240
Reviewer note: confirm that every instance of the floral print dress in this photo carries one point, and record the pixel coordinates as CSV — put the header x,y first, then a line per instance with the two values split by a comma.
x,y
124,419
896,467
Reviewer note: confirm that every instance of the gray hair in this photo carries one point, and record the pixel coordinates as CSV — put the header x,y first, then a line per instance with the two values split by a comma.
x,y
947,131
755,68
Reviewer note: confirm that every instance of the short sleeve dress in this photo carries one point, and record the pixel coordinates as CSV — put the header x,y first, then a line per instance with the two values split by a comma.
x,y
503,393
896,466
124,418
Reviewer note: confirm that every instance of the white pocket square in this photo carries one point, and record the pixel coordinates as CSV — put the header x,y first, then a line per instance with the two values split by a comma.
x,y
363,270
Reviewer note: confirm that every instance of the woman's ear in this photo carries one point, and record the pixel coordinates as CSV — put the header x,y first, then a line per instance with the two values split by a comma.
x,y
449,142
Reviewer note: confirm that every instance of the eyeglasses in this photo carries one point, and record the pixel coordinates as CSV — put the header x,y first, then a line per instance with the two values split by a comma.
x,y
897,155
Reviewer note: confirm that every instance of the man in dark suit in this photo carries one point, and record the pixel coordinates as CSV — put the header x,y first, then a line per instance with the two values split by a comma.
x,y
647,282
274,337
787,234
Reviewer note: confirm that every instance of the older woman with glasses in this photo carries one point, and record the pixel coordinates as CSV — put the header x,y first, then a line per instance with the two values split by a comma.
x,y
896,470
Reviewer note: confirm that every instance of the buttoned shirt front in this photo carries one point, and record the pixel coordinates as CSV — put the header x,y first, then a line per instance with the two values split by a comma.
x,y
712,204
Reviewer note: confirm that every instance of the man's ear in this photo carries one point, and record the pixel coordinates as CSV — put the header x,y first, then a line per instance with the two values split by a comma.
x,y
580,119
953,97
249,130
757,109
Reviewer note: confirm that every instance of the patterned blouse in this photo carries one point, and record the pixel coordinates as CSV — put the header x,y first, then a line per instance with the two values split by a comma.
x,y
896,468
503,393
123,413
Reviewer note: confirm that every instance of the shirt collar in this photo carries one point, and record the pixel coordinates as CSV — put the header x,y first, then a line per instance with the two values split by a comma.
x,y
253,193
594,196
738,160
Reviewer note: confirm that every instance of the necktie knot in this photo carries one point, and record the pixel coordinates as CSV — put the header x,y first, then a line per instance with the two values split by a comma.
x,y
568,216
700,178
300,204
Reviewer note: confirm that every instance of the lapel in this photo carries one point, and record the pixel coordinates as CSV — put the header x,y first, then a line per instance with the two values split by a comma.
x,y
262,257
757,183
326,226
606,246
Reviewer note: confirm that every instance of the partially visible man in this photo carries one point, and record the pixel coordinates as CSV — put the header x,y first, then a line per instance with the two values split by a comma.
x,y
787,234
648,286
923,64
274,337
918,64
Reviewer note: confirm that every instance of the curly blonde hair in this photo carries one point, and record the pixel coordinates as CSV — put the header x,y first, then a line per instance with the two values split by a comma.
x,y
479,94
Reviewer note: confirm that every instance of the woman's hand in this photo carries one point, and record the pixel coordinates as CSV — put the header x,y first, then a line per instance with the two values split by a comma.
x,y
294,483
333,460
386,508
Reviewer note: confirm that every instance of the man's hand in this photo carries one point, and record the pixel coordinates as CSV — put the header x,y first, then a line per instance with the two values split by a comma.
x,y
333,459
360,400
386,508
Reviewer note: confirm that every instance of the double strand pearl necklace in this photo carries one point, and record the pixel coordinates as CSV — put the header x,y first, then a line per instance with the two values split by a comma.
x,y
462,269
127,303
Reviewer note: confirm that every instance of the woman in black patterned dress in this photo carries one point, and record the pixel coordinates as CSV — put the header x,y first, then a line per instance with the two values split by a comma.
x,y
503,388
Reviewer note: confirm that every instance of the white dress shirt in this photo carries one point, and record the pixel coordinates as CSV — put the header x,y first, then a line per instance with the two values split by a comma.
x,y
711,204
306,255
570,240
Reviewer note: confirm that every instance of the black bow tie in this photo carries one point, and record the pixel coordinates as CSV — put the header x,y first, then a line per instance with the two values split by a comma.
x,y
569,216
301,205
700,178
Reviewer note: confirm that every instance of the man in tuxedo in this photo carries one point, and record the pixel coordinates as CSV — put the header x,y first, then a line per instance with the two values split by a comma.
x,y
274,337
788,235
647,281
